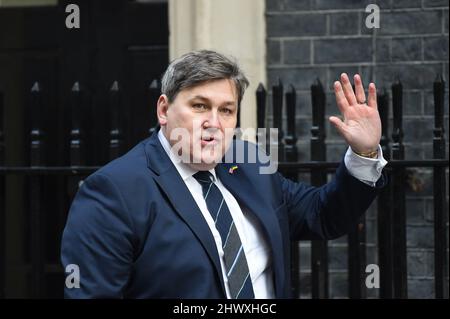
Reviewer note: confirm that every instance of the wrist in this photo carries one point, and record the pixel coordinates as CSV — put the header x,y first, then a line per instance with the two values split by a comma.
x,y
368,154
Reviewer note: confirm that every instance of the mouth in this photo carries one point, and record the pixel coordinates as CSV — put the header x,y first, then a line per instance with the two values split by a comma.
x,y
209,140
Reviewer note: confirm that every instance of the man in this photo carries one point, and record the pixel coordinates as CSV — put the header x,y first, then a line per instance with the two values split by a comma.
x,y
166,220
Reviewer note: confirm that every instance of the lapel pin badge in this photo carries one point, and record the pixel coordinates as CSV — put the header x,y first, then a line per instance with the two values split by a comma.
x,y
232,169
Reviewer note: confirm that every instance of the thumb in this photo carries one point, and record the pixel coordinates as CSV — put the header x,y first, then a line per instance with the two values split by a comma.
x,y
340,126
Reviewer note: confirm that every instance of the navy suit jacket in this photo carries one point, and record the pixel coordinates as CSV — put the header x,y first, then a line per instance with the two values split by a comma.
x,y
135,231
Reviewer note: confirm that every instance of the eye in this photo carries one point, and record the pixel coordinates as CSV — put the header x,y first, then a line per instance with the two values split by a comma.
x,y
227,111
200,106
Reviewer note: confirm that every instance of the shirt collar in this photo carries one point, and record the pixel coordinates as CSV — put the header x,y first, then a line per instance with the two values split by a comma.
x,y
183,169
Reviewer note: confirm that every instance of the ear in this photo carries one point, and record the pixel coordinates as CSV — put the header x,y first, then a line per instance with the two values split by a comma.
x,y
161,109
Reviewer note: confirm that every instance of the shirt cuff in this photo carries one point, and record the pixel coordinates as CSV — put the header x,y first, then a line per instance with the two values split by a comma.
x,y
367,170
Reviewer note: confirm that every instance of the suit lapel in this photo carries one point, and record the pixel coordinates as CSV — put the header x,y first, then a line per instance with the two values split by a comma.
x,y
249,196
181,199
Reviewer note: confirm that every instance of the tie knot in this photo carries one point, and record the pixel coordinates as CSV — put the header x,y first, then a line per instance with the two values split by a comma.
x,y
204,177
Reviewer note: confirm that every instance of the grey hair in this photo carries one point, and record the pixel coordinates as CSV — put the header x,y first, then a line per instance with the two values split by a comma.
x,y
197,67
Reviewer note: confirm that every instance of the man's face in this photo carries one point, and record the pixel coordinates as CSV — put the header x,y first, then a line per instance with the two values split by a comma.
x,y
199,124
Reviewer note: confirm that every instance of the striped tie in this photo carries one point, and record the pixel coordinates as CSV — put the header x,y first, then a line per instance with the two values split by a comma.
x,y
239,281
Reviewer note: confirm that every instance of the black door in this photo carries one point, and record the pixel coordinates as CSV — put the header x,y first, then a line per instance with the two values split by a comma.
x,y
121,42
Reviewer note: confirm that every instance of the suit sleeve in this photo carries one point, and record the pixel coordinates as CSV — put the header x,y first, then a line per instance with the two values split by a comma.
x,y
329,211
98,238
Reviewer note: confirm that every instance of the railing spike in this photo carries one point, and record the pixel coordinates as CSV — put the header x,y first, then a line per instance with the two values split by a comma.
x,y
260,88
439,78
317,82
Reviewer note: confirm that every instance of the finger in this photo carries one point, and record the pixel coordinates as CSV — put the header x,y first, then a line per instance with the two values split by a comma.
x,y
341,100
372,101
339,125
348,90
359,89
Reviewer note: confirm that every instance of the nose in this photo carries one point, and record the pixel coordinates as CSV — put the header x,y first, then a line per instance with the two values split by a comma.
x,y
213,120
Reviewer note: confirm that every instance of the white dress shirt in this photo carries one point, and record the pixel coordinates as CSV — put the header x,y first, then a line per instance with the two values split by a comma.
x,y
248,227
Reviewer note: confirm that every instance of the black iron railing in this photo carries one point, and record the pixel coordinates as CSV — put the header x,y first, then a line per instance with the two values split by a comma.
x,y
391,211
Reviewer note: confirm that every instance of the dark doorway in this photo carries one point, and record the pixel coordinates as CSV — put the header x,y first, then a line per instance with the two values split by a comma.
x,y
118,41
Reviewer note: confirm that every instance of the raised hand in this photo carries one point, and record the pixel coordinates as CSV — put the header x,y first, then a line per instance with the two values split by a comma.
x,y
361,127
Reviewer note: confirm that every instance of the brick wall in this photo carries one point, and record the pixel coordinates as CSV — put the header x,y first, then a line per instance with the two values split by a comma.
x,y
308,39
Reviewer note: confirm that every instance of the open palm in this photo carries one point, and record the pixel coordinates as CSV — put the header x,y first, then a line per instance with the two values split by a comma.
x,y
361,127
